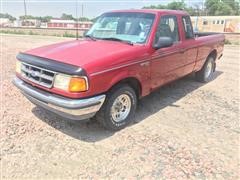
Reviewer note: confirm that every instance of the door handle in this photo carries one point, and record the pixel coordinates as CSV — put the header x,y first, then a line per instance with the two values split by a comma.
x,y
182,51
145,63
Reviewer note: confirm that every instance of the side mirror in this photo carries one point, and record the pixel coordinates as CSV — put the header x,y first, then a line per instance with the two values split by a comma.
x,y
163,42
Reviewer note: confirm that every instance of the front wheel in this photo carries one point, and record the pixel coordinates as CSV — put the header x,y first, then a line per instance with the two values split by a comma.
x,y
206,73
118,108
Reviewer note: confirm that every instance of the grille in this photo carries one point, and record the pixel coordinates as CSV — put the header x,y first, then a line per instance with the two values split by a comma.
x,y
38,75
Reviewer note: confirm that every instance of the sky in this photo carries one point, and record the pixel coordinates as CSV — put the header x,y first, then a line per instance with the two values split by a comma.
x,y
91,8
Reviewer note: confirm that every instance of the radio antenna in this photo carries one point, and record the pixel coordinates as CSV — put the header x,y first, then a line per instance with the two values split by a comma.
x,y
77,19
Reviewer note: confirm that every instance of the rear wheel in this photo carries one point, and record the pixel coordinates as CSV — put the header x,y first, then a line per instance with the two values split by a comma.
x,y
206,73
118,108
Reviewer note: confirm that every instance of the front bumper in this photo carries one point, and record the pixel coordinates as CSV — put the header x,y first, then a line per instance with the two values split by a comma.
x,y
75,109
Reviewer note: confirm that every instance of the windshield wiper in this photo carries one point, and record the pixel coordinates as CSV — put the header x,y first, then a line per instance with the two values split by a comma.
x,y
91,37
116,39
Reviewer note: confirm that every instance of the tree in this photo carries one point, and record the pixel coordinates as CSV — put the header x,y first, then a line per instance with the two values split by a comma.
x,y
8,16
222,7
173,5
67,17
212,7
155,7
83,19
45,18
26,17
234,4
176,5
40,18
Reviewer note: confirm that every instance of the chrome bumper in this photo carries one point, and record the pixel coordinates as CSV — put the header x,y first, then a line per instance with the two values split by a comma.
x,y
75,109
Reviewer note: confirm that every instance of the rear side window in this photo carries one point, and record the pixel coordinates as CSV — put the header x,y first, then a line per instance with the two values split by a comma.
x,y
167,27
187,27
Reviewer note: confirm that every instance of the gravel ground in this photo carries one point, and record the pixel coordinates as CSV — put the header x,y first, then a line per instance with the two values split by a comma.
x,y
184,130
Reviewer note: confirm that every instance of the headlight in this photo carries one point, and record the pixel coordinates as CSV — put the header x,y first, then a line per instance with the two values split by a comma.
x,y
70,83
18,67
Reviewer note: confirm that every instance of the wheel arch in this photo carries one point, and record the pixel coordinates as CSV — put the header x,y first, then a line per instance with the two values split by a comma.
x,y
213,54
133,82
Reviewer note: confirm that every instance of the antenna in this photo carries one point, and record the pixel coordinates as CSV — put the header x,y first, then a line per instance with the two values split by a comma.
x,y
77,19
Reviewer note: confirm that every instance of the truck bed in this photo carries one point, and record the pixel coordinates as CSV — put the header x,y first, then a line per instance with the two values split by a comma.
x,y
200,34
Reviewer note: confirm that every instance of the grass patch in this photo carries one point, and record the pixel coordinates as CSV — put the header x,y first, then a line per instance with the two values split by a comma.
x,y
227,41
66,34
33,33
236,43
12,32
20,32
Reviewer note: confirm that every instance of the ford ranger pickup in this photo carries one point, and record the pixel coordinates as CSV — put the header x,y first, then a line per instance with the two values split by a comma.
x,y
124,56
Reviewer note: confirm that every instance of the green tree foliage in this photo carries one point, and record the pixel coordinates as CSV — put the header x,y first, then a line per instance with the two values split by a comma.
x,y
6,15
45,18
177,5
173,5
84,19
212,7
70,17
42,19
222,7
67,17
27,17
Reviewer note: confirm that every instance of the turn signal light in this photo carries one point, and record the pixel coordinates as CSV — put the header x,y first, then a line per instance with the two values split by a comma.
x,y
78,84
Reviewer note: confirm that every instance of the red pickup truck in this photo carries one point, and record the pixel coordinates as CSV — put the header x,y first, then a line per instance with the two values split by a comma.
x,y
123,57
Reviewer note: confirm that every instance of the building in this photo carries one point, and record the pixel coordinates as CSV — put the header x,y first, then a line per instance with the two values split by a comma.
x,y
229,24
68,24
28,23
5,22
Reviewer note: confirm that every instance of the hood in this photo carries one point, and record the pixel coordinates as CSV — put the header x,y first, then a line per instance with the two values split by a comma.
x,y
88,53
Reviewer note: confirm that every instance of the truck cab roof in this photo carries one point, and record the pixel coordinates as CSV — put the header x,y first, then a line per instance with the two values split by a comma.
x,y
155,11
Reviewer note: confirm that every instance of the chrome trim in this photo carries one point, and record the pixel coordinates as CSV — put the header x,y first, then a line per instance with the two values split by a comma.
x,y
39,73
156,57
118,67
59,104
38,67
44,76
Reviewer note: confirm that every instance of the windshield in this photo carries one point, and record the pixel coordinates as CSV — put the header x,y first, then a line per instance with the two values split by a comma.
x,y
132,27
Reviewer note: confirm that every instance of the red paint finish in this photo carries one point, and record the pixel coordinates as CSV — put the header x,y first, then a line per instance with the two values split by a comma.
x,y
108,62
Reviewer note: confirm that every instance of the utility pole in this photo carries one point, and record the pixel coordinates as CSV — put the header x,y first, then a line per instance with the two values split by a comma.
x,y
25,13
82,10
25,8
76,19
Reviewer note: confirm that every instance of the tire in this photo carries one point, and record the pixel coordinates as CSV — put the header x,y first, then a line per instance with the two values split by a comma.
x,y
116,113
206,73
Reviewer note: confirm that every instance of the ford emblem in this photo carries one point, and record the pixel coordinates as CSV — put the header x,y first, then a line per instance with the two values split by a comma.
x,y
34,73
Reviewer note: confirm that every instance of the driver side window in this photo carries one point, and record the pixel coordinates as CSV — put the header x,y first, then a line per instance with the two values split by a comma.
x,y
167,27
187,24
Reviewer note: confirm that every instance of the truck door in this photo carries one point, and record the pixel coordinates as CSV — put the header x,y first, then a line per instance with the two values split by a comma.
x,y
166,63
189,47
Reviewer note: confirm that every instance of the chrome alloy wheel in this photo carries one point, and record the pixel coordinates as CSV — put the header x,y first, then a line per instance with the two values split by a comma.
x,y
121,108
209,69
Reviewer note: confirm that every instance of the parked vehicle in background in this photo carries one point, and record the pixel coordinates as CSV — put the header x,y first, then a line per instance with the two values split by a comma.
x,y
125,56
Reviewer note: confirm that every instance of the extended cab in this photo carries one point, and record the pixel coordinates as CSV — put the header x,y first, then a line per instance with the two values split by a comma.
x,y
123,57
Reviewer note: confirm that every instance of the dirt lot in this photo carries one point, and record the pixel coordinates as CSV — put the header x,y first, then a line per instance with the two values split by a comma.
x,y
184,130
